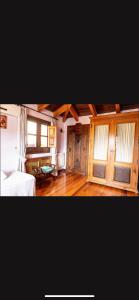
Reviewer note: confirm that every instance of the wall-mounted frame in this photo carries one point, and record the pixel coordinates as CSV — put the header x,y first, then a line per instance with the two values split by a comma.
x,y
3,121
52,136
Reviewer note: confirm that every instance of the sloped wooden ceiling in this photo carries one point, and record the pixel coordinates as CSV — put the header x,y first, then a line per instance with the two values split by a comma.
x,y
84,109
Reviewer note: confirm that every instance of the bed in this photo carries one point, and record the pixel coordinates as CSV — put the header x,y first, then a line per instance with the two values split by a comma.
x,y
17,184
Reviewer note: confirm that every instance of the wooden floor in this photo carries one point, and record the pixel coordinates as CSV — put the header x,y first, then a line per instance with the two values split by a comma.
x,y
74,184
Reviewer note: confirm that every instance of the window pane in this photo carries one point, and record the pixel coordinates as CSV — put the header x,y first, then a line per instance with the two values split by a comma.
x,y
101,142
43,141
125,142
31,127
44,130
31,141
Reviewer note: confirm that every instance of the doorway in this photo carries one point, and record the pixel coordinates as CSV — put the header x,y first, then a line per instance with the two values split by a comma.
x,y
78,148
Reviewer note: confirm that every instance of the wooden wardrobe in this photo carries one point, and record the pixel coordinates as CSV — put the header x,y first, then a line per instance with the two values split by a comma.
x,y
78,148
114,150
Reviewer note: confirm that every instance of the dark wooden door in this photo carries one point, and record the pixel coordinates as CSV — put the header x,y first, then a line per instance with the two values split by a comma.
x,y
85,150
77,152
78,148
70,149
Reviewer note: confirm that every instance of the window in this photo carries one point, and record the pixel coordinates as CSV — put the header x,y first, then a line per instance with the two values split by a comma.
x,y
44,135
31,134
37,135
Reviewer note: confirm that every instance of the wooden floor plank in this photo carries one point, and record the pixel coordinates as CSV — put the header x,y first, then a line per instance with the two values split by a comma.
x,y
52,187
75,184
93,189
60,186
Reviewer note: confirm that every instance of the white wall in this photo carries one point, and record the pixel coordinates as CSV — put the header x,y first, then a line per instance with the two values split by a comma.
x,y
61,141
9,139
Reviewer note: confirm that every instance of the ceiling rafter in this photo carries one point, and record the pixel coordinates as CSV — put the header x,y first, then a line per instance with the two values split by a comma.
x,y
61,110
66,108
42,106
66,113
117,108
92,109
84,110
74,113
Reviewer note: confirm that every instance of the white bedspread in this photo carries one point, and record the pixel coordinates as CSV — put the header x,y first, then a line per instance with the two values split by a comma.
x,y
18,184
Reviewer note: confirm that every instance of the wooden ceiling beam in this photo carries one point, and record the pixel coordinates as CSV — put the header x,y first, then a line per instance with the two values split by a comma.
x,y
42,106
61,110
117,108
74,113
92,109
66,113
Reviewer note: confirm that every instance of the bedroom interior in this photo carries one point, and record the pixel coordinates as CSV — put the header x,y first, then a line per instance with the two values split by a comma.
x,y
69,149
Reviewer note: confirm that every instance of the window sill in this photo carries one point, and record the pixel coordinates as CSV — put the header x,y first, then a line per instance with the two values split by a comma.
x,y
38,155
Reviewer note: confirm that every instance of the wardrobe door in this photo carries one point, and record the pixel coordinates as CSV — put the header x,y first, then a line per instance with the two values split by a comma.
x,y
99,149
125,168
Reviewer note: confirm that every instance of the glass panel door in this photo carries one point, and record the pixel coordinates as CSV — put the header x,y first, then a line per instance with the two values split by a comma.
x,y
100,151
125,142
125,135
101,142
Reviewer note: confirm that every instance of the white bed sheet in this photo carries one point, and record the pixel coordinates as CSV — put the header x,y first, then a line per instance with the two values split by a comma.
x,y
18,184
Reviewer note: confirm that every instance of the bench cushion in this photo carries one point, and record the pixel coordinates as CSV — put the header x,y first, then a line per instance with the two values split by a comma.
x,y
47,169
